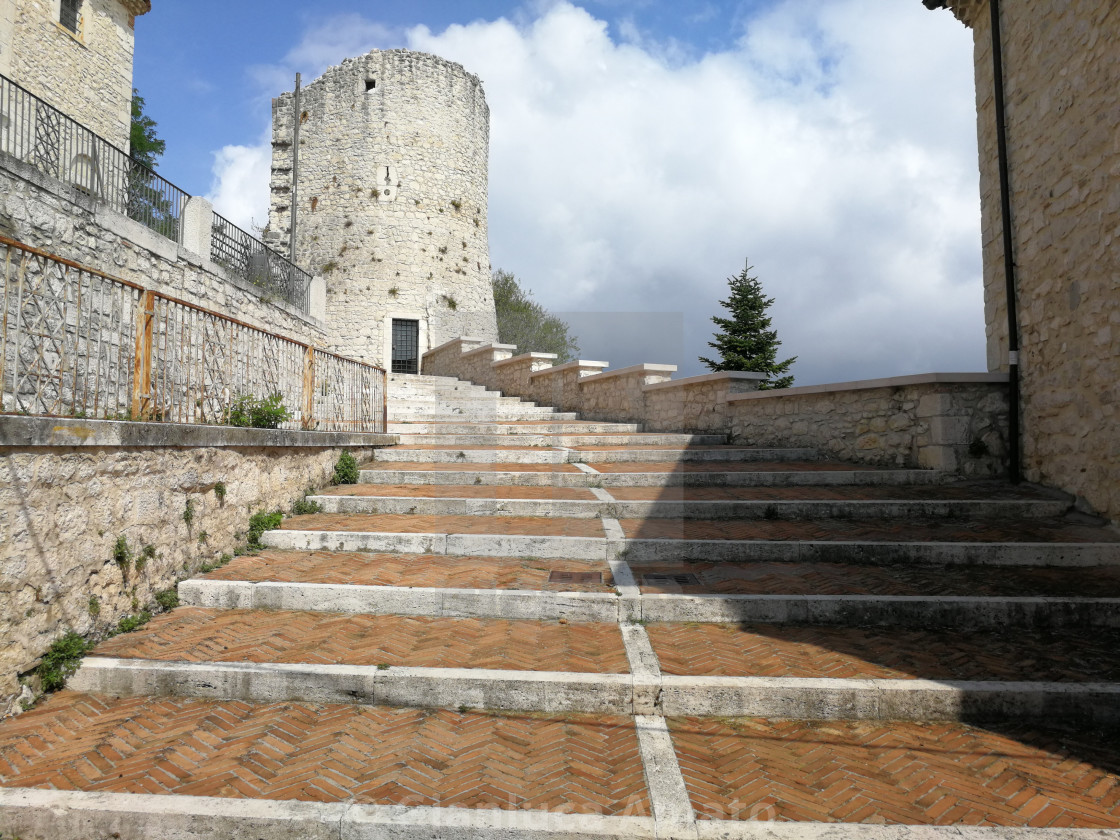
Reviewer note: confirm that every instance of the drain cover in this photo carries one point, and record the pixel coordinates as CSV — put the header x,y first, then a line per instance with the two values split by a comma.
x,y
681,580
575,577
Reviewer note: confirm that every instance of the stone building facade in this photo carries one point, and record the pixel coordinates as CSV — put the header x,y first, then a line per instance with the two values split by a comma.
x,y
1062,91
391,200
76,55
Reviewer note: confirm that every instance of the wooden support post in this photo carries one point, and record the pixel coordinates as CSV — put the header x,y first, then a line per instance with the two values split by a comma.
x,y
142,359
309,388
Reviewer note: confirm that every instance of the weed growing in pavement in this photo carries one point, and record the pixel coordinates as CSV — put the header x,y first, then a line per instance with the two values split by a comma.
x,y
382,667
131,622
260,522
304,507
168,599
345,470
61,660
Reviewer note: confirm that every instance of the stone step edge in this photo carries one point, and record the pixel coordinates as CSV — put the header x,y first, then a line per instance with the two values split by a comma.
x,y
737,478
795,509
961,612
32,812
641,550
802,698
536,455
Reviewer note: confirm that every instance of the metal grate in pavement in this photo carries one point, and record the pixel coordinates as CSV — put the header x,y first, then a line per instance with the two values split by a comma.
x,y
679,579
575,577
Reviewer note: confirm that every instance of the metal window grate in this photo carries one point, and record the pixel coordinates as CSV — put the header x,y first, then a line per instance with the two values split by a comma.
x,y
406,346
680,580
575,577
69,14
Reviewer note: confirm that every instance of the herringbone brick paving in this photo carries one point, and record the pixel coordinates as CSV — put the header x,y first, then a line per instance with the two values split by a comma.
x,y
901,773
457,491
761,578
726,466
784,650
871,530
463,467
197,634
418,524
326,753
979,491
440,571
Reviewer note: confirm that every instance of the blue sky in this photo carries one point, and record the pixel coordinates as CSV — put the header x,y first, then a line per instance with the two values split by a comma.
x,y
641,150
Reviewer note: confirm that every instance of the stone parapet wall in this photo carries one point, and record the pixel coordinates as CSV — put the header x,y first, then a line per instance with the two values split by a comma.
x,y
559,386
952,422
696,404
45,213
70,488
619,395
478,365
514,376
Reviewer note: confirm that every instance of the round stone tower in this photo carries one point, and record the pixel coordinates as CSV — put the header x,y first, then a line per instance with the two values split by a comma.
x,y
391,191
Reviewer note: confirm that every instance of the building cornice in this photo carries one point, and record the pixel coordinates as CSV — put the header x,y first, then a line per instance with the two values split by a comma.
x,y
965,11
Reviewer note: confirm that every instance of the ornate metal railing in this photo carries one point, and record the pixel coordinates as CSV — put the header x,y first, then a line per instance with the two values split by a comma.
x,y
248,257
44,137
75,342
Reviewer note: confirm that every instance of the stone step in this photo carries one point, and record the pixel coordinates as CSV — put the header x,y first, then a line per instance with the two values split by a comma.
x,y
458,414
567,440
900,612
512,428
537,455
706,510
567,475
1012,542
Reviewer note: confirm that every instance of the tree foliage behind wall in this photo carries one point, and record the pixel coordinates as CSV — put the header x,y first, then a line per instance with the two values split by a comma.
x,y
146,146
524,322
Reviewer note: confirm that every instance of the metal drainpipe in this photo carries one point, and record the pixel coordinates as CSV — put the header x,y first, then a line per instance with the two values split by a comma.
x,y
295,174
1014,419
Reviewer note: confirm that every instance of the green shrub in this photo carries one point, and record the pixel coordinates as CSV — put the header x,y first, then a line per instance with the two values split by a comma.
x,y
148,553
260,522
220,492
61,660
168,599
304,507
122,554
247,411
133,622
188,512
346,470
94,606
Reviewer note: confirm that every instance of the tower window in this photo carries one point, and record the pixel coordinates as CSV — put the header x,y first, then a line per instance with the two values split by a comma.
x,y
370,84
69,14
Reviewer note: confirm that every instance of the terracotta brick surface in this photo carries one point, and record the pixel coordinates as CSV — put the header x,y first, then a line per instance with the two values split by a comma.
x,y
871,530
777,650
196,634
842,579
455,491
463,467
726,466
326,753
439,571
899,773
416,524
981,491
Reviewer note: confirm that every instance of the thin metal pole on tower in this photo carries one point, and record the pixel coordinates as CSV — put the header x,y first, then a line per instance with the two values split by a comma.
x,y
295,173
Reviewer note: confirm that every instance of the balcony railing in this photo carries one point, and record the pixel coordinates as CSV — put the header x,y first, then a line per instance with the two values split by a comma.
x,y
75,342
39,134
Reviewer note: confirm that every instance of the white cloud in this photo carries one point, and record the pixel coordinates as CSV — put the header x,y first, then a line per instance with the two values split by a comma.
x,y
834,146
239,190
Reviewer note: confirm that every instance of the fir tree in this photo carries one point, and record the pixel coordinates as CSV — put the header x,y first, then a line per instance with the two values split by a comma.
x,y
745,340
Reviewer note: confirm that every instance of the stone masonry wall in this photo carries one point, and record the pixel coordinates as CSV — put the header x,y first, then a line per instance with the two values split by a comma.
x,y
950,425
45,213
1062,83
87,75
63,507
392,198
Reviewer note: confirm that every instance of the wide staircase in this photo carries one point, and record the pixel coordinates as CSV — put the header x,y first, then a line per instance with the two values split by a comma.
x,y
524,625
